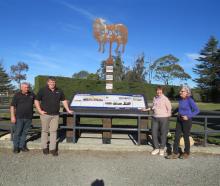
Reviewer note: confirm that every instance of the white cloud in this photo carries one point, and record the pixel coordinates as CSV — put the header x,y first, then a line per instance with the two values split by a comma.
x,y
193,56
46,61
83,12
71,27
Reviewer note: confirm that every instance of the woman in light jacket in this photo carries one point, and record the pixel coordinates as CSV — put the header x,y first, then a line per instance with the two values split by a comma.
x,y
160,121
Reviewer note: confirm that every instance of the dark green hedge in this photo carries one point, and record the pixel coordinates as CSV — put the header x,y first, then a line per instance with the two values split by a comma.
x,y
71,86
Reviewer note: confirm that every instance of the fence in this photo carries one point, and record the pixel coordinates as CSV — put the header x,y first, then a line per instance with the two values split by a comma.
x,y
208,127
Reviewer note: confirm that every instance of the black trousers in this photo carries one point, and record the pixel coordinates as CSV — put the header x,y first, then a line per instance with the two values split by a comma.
x,y
182,126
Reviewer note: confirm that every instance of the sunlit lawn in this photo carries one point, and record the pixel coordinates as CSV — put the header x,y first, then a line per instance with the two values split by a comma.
x,y
203,106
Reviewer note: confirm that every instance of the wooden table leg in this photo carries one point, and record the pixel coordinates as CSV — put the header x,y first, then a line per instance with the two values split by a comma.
x,y
143,135
106,135
69,132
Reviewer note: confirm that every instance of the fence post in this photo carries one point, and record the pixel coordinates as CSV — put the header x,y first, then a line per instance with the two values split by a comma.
x,y
205,132
139,130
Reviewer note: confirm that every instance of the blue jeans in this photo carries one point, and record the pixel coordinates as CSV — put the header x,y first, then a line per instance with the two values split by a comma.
x,y
20,133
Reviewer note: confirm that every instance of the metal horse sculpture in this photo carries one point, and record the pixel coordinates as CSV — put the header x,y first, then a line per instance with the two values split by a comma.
x,y
104,33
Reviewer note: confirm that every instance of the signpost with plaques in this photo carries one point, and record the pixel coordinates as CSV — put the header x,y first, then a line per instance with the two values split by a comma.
x,y
109,33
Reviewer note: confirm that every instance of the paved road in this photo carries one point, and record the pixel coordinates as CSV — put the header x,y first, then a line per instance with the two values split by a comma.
x,y
113,168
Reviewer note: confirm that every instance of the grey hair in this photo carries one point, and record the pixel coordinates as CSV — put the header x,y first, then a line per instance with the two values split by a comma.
x,y
25,83
187,89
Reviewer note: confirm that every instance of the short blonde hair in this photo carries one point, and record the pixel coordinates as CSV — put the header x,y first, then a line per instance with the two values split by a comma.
x,y
187,89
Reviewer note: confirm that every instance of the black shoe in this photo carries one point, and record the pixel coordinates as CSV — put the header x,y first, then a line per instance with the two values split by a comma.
x,y
172,156
46,151
184,156
106,141
54,152
24,149
16,150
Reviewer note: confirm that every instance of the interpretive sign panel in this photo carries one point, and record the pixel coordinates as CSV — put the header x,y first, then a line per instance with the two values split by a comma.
x,y
117,101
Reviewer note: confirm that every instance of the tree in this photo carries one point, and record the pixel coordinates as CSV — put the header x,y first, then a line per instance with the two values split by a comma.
x,y
139,70
215,88
207,69
129,74
217,70
217,80
93,76
80,75
118,69
5,82
16,72
101,70
149,70
167,68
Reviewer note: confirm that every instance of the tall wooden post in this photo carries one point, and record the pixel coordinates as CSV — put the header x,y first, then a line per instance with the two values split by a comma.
x,y
107,122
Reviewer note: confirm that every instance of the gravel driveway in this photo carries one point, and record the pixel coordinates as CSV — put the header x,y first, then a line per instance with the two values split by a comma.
x,y
106,168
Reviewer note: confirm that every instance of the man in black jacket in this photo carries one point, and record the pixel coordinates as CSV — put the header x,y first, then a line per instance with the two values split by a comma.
x,y
48,105
21,115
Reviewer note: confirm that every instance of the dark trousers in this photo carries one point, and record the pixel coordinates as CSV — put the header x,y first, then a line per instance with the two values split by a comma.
x,y
184,127
20,132
159,130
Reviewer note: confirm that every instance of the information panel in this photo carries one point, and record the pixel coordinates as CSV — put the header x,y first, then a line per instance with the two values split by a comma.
x,y
135,101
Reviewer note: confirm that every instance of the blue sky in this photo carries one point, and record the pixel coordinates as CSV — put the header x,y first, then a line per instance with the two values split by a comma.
x,y
54,37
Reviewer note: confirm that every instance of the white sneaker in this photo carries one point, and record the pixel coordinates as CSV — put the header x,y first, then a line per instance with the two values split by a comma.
x,y
155,151
161,152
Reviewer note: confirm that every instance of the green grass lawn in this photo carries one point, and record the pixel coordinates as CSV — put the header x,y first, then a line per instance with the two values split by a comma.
x,y
209,106
203,106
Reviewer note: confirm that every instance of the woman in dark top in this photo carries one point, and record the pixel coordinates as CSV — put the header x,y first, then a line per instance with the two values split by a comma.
x,y
186,110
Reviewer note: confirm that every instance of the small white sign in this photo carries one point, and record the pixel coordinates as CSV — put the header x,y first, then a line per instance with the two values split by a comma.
x,y
109,86
109,77
109,68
